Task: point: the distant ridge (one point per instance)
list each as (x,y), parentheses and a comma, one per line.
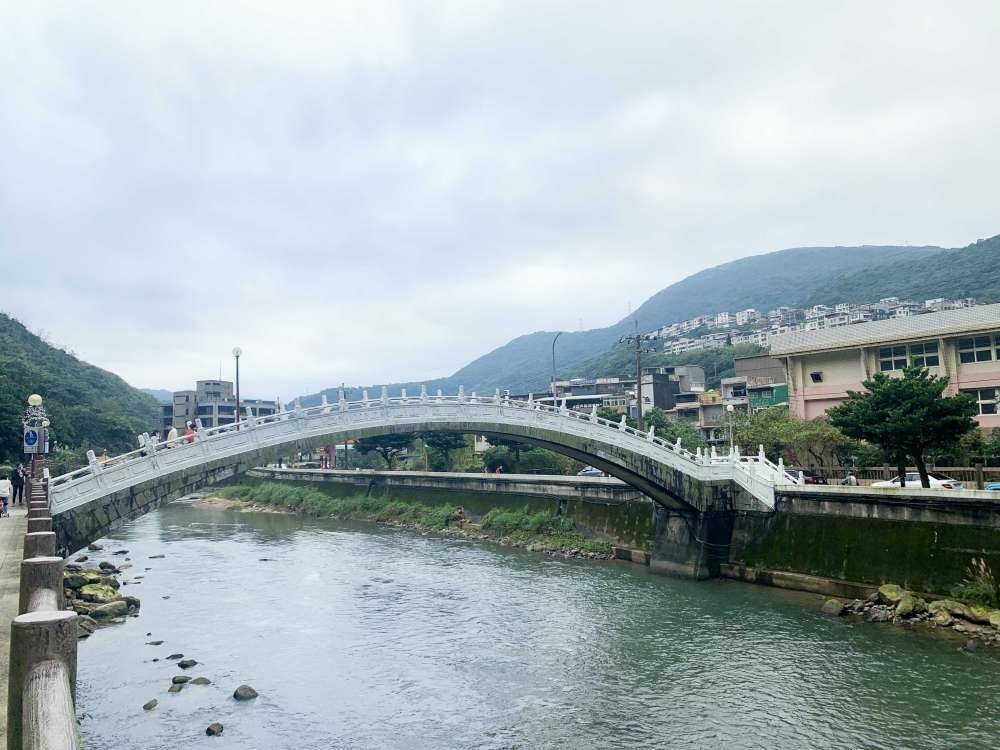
(795,277)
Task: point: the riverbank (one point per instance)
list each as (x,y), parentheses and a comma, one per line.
(540,531)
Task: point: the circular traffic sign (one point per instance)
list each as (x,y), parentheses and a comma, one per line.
(30,437)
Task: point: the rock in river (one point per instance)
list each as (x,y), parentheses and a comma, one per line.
(95,547)
(98,592)
(890,593)
(832,607)
(214,729)
(181,679)
(175,657)
(244,693)
(175,687)
(186,663)
(109,610)
(150,705)
(201,681)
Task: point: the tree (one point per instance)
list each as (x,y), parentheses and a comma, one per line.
(387,446)
(442,444)
(670,430)
(515,446)
(905,416)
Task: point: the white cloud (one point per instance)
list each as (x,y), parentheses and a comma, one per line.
(385,190)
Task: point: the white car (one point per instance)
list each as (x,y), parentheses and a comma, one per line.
(938,481)
(590,471)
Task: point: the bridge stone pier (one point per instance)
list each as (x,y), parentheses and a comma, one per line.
(696,492)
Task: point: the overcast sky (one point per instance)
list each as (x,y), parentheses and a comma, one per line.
(369,191)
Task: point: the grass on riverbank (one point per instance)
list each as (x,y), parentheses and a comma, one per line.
(543,530)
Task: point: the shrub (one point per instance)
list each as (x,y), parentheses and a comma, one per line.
(980,587)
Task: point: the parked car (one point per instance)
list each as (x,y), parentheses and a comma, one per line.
(993,486)
(811,476)
(938,481)
(590,471)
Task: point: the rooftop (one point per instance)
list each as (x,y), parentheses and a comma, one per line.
(929,325)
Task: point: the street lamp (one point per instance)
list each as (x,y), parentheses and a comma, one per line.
(237,352)
(554,340)
(35,416)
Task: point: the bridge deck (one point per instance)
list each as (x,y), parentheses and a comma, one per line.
(11,546)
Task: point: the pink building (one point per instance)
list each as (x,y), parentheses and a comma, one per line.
(963,345)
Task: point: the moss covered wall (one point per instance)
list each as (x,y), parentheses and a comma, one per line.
(919,555)
(629,523)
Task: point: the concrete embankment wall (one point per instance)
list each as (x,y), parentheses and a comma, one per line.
(842,541)
(845,541)
(601,506)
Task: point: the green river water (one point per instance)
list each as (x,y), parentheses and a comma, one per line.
(361,637)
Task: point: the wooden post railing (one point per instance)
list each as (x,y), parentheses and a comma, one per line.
(41,691)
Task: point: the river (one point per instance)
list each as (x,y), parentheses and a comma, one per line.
(361,637)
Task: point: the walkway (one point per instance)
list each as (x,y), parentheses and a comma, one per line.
(11,545)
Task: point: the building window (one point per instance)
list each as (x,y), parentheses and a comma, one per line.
(925,355)
(978,349)
(892,358)
(985,398)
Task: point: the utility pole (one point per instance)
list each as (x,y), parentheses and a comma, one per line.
(639,343)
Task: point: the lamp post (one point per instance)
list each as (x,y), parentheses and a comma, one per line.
(554,340)
(237,352)
(35,417)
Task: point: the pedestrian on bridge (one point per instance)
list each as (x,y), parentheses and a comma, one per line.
(172,437)
(5,490)
(189,433)
(17,485)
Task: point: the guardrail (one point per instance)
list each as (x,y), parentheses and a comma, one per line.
(41,690)
(755,473)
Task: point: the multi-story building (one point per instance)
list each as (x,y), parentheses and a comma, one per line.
(723,320)
(214,403)
(746,316)
(962,345)
(705,411)
(660,386)
(759,382)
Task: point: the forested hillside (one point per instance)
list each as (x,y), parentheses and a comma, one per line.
(794,277)
(88,407)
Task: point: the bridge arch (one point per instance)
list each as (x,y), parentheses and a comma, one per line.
(86,503)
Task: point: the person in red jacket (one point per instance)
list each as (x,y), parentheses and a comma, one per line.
(189,433)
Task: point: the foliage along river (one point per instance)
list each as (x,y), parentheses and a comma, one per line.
(362,637)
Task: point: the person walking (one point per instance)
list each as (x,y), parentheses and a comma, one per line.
(850,480)
(172,437)
(189,433)
(17,485)
(5,489)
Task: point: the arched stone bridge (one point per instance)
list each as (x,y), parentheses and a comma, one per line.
(87,503)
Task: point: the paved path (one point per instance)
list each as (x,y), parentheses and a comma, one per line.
(11,544)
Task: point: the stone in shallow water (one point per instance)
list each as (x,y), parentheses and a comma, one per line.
(180,679)
(214,729)
(95,547)
(175,688)
(186,663)
(154,643)
(150,705)
(110,610)
(244,693)
(175,657)
(201,681)
(832,607)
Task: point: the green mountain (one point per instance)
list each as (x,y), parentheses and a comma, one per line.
(87,406)
(795,277)
(972,271)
